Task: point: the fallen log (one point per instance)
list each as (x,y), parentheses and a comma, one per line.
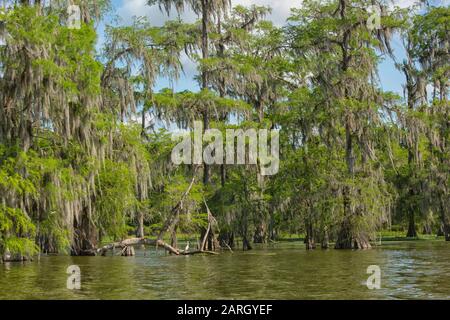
(134,242)
(125,245)
(187,253)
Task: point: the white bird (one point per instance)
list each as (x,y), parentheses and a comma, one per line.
(187,247)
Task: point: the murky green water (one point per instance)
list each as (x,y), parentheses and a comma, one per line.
(410,270)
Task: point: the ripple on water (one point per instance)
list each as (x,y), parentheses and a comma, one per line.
(410,270)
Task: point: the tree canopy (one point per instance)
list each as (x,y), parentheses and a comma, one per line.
(85,138)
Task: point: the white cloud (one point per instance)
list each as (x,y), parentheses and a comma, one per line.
(410,3)
(404,3)
(281,9)
(129,8)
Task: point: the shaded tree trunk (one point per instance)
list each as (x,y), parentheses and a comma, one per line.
(445,221)
(204,76)
(85,237)
(221,54)
(260,235)
(345,239)
(325,240)
(440,232)
(226,239)
(246,244)
(309,240)
(447,232)
(412,233)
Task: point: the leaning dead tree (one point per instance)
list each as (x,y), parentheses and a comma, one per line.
(172,219)
(168,225)
(208,239)
(126,246)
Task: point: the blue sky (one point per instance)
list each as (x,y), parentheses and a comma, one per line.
(390,78)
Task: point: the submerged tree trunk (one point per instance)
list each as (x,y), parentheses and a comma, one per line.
(412,233)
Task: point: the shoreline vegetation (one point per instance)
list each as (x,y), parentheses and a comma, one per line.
(86,138)
(126,247)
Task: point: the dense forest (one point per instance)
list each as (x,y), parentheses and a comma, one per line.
(86,139)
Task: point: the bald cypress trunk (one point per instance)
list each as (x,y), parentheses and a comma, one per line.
(260,233)
(344,240)
(412,232)
(226,239)
(246,244)
(309,240)
(411,93)
(348,238)
(85,237)
(325,240)
(204,76)
(445,221)
(140,227)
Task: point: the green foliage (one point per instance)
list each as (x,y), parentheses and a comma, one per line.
(16,222)
(115,184)
(84,152)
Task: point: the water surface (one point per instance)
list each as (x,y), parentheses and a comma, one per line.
(410,270)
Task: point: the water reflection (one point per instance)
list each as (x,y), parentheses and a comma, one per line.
(410,270)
